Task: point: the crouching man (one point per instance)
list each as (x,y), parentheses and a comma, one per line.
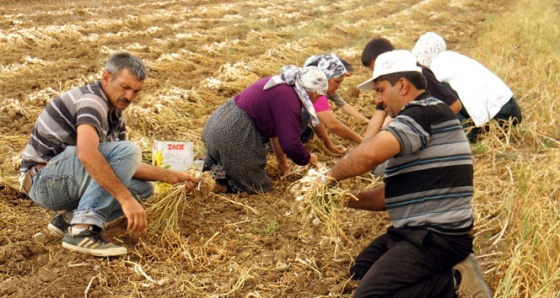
(427,191)
(78,162)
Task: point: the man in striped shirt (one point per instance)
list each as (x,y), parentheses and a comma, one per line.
(427,191)
(78,161)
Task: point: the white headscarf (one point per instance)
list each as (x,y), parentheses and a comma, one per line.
(330,64)
(428,46)
(309,78)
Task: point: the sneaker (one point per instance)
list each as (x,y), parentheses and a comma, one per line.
(472,283)
(58,225)
(90,241)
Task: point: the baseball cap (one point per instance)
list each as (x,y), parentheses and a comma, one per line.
(391,62)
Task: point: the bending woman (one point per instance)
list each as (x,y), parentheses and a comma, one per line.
(269,109)
(484,96)
(335,71)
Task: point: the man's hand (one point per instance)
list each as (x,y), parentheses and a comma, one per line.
(323,181)
(149,172)
(190,181)
(135,215)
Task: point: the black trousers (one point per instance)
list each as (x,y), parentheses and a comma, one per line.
(410,263)
(510,111)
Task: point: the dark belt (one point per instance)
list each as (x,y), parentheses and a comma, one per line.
(28,179)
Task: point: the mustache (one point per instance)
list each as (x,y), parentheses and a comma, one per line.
(125,100)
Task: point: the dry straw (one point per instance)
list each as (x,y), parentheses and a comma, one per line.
(320,206)
(165,208)
(516,201)
(170,201)
(516,171)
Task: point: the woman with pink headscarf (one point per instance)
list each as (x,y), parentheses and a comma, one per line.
(336,71)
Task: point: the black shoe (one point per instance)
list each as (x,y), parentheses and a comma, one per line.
(58,225)
(90,241)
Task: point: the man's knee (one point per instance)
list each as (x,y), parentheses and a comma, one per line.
(131,149)
(122,150)
(141,189)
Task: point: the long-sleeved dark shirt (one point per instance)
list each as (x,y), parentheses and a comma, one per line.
(276,113)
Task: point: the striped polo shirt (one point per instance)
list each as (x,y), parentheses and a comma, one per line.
(56,127)
(429,184)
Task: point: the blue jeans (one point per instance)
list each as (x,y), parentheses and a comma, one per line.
(64,184)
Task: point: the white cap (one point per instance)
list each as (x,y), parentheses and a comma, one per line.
(391,62)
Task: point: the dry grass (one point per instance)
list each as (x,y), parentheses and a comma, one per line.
(249,246)
(167,205)
(319,206)
(517,198)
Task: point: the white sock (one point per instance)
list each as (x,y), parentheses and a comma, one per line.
(75,230)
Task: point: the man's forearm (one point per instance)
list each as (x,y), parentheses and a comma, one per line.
(371,199)
(366,156)
(101,172)
(353,164)
(149,172)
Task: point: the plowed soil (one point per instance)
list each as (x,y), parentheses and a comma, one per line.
(199,53)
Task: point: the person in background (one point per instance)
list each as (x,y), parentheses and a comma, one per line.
(484,95)
(335,71)
(269,110)
(378,46)
(337,99)
(79,162)
(427,191)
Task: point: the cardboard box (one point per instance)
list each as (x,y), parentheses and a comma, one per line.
(175,155)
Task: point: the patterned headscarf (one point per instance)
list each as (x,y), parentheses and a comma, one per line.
(427,47)
(330,64)
(304,79)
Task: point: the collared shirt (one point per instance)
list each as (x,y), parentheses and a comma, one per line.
(482,93)
(56,127)
(429,184)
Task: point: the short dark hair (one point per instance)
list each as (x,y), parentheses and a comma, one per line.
(374,48)
(416,78)
(120,61)
(347,65)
